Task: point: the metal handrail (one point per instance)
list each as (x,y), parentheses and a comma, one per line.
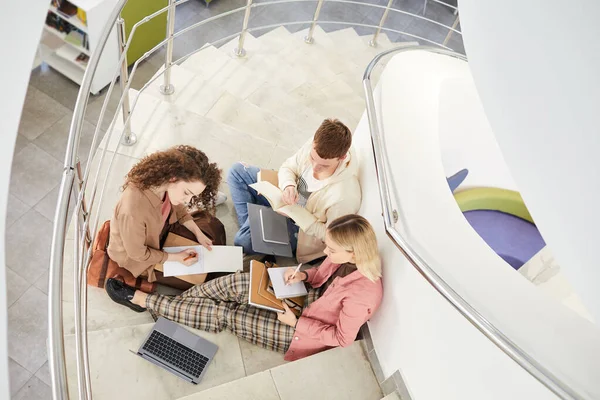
(71,171)
(510,348)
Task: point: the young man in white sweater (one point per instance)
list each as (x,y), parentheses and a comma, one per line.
(322,177)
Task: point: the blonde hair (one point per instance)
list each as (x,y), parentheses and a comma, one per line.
(355,234)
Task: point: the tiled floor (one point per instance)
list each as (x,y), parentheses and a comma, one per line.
(40,149)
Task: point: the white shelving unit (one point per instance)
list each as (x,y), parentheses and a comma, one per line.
(61,55)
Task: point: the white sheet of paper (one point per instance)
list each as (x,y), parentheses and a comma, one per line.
(220,259)
(283,291)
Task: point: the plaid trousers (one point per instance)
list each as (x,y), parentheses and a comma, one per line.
(222,304)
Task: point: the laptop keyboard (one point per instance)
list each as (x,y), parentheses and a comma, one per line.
(176,354)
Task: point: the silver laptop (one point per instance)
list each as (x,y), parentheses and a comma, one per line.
(177,350)
(273,230)
(269,231)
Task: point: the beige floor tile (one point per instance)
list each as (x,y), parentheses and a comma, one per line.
(42,282)
(27,329)
(28,246)
(34,174)
(255,387)
(20,143)
(54,139)
(258,359)
(34,389)
(43,374)
(47,206)
(15,210)
(15,286)
(341,373)
(39,113)
(119,374)
(18,376)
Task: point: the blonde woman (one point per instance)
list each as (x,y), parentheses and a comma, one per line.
(345,291)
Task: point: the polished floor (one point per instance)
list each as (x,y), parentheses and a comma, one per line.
(39,152)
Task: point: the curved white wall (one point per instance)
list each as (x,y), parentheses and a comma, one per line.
(536,66)
(440,354)
(19,37)
(467,140)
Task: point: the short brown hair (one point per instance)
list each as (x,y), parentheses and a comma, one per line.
(333,139)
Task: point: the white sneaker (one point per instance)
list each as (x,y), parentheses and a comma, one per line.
(221,198)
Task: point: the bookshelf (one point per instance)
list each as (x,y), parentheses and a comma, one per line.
(67,40)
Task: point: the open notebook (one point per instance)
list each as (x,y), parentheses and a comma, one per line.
(283,291)
(219,259)
(260,296)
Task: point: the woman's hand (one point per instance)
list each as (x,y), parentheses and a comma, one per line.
(300,276)
(187,257)
(290,195)
(288,317)
(204,241)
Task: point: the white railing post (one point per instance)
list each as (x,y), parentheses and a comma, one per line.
(239,50)
(373,42)
(309,38)
(167,88)
(129,138)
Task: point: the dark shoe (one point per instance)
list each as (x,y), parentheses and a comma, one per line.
(121,293)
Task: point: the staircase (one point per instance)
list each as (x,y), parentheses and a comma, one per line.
(258,109)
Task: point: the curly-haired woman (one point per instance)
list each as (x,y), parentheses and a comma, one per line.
(156,195)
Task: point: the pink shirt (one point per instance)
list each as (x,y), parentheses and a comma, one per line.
(165,209)
(336,317)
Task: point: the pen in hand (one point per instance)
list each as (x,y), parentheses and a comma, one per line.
(294,274)
(190,256)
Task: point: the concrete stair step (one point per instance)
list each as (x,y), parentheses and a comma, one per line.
(245,116)
(337,374)
(282,105)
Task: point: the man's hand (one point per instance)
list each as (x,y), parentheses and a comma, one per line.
(288,317)
(290,195)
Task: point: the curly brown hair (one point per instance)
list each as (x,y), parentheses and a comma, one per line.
(182,163)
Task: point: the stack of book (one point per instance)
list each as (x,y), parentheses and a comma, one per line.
(265,294)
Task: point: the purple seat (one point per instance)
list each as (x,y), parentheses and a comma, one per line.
(512,238)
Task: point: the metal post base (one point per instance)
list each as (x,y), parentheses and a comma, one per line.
(309,39)
(372,43)
(129,139)
(239,52)
(167,89)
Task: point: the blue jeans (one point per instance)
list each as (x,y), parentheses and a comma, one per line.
(238,179)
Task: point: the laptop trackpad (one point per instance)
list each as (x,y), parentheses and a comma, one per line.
(186,338)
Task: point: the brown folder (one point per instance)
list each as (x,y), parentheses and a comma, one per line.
(268,175)
(174,240)
(257,270)
(262,298)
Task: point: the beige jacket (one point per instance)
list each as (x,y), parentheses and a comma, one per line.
(135,229)
(340,196)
